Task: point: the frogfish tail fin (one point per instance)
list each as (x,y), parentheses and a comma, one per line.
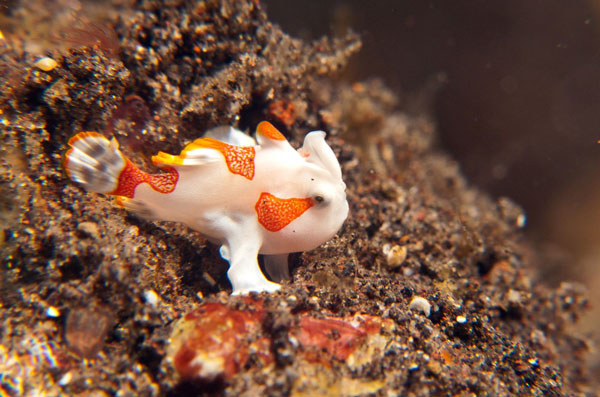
(95,162)
(98,164)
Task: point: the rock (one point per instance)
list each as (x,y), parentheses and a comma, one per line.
(420,304)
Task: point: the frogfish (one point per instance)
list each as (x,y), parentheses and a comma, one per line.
(249,196)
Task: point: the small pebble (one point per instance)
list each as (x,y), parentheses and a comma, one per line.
(65,379)
(292,298)
(461,319)
(89,229)
(521,221)
(533,361)
(46,64)
(435,367)
(420,304)
(151,297)
(395,255)
(52,312)
(86,329)
(514,296)
(209,279)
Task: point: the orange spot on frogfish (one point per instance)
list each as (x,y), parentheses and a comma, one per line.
(275,213)
(239,159)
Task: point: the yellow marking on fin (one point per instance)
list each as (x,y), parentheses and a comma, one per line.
(121,201)
(162,158)
(268,130)
(204,143)
(239,159)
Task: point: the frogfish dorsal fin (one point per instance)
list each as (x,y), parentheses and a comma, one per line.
(239,159)
(269,136)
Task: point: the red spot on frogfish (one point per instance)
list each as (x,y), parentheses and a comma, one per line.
(132,176)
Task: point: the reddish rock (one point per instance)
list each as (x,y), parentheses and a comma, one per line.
(325,339)
(215,341)
(86,330)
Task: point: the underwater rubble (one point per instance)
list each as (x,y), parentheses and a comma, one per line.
(429,288)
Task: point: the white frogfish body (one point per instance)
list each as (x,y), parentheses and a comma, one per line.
(265,198)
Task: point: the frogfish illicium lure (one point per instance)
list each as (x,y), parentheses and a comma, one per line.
(265,198)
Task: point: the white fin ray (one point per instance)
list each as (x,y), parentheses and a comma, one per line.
(230,135)
(202,156)
(94,162)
